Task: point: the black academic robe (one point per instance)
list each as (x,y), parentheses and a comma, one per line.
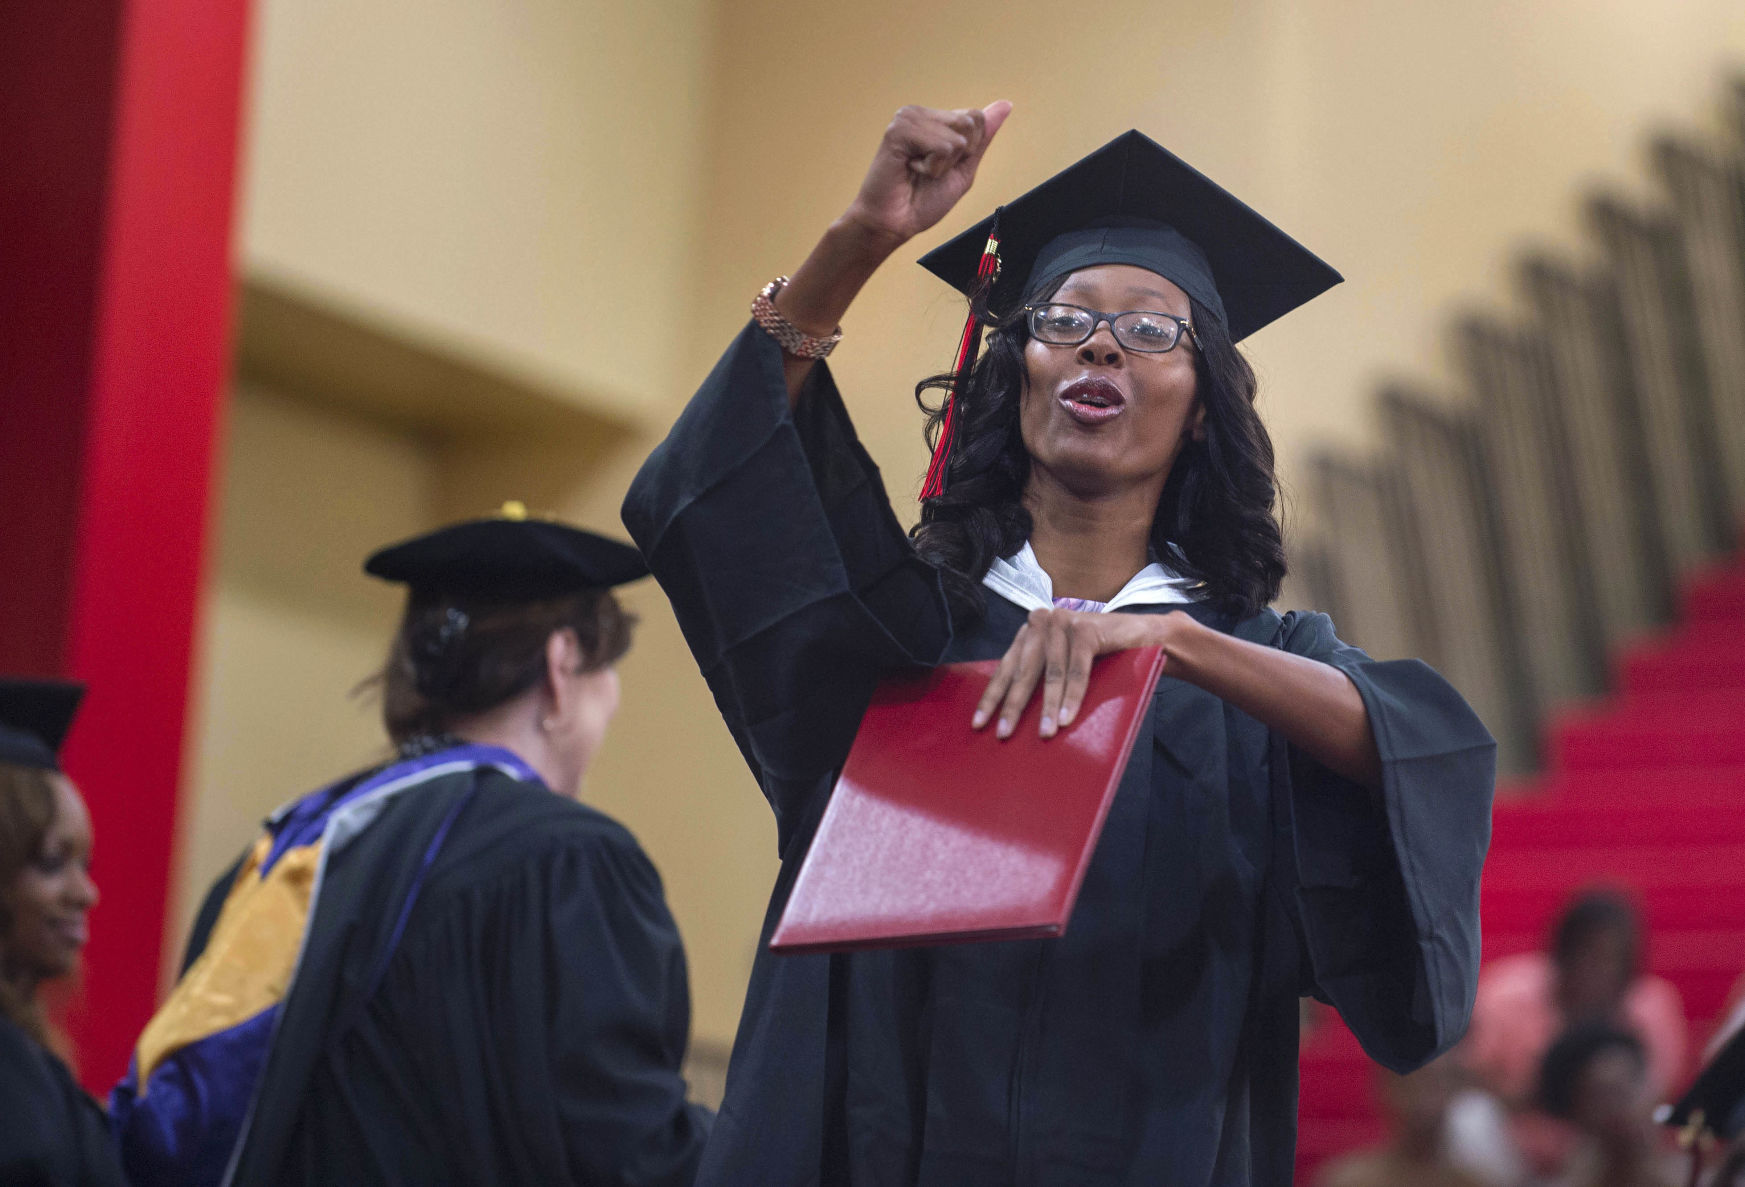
(1156,1041)
(51,1133)
(523,1023)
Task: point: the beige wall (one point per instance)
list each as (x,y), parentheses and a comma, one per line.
(589,193)
(514,177)
(289,625)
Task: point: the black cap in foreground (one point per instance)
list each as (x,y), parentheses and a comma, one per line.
(35,716)
(1134,202)
(510,557)
(1716,1102)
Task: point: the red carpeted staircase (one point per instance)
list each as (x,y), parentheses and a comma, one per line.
(1645,791)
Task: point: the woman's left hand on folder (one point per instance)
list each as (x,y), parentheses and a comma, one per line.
(1314,705)
(1056,647)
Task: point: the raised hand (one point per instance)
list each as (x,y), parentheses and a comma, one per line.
(925,163)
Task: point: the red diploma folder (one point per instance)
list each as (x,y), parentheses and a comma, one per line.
(937,833)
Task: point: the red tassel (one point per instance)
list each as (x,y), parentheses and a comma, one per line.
(968,347)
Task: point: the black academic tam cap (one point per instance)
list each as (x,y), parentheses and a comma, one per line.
(35,716)
(1135,202)
(1716,1102)
(510,557)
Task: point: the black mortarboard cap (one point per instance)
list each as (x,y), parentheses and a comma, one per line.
(1135,202)
(510,557)
(35,716)
(1716,1101)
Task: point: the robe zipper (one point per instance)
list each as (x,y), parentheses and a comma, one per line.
(1028,1024)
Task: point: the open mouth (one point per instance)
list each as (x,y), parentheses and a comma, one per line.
(1092,401)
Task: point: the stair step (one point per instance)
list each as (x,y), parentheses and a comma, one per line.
(1572,826)
(1719,866)
(1704,728)
(1707,655)
(1665,707)
(1519,909)
(1717,787)
(1335,1090)
(1671,953)
(1715,594)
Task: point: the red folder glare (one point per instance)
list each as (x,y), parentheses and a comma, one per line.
(937,833)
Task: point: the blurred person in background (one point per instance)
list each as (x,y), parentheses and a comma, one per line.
(1595,1076)
(1593,973)
(51,1133)
(445,969)
(1418,1108)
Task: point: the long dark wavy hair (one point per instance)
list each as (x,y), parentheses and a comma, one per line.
(1215,520)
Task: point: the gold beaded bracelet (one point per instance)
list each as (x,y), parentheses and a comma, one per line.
(791,338)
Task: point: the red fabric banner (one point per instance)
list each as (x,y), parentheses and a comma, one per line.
(116,201)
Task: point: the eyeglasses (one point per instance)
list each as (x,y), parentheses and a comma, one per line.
(1140,330)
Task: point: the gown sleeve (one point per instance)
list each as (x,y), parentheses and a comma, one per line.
(51,1133)
(621,1037)
(1387,886)
(795,586)
(561,984)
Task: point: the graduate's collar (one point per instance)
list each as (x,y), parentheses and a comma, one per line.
(1021,580)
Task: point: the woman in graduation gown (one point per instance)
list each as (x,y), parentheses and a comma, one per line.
(1296,818)
(51,1133)
(445,969)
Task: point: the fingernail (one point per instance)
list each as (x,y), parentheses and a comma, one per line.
(1005,730)
(1066,716)
(980,719)
(1048,727)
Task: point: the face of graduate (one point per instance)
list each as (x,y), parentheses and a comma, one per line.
(49,900)
(1097,418)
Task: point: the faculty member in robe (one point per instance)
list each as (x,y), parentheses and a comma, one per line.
(446,969)
(1296,818)
(51,1133)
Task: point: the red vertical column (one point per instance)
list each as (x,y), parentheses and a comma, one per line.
(118,143)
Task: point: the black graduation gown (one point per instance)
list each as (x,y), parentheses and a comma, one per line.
(51,1133)
(527,1026)
(1156,1042)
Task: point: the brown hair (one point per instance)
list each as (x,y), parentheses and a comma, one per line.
(456,656)
(27,810)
